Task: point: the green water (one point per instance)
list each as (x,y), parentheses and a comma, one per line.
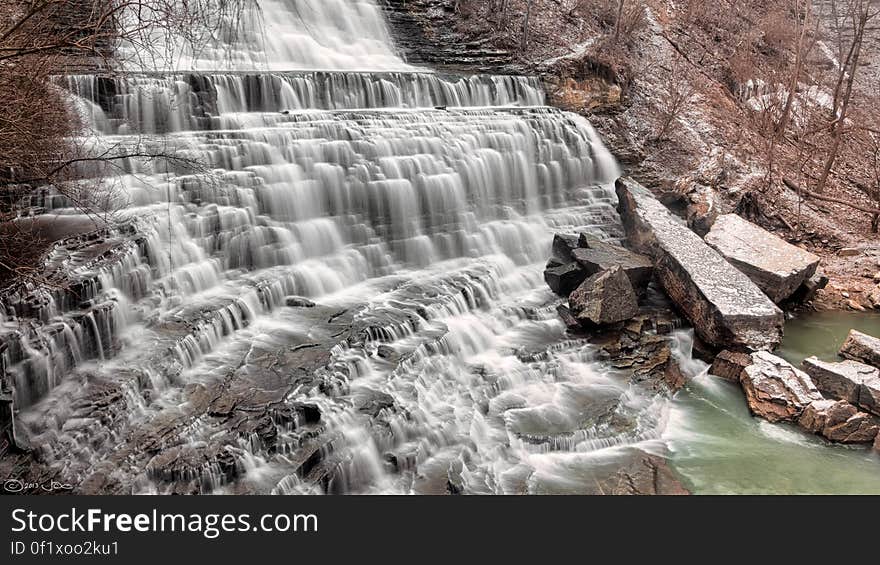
(718,447)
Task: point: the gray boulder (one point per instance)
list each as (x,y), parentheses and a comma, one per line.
(604,298)
(776,266)
(848,380)
(595,255)
(861,347)
(563,279)
(839,421)
(725,307)
(775,390)
(563,245)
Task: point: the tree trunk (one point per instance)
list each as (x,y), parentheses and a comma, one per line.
(859,34)
(525,32)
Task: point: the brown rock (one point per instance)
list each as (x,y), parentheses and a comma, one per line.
(775,390)
(567,317)
(861,347)
(604,298)
(730,364)
(839,421)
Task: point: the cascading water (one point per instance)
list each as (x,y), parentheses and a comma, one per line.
(330,283)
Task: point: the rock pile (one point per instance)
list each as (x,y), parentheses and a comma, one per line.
(602,280)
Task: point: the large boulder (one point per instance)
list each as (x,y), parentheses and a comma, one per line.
(725,307)
(563,279)
(775,390)
(595,255)
(861,347)
(563,245)
(604,298)
(730,364)
(776,266)
(839,421)
(848,380)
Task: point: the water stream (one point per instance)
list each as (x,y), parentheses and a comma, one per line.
(331,282)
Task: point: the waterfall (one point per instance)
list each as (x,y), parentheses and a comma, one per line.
(330,280)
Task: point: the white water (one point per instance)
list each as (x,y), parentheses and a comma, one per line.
(429,226)
(273,35)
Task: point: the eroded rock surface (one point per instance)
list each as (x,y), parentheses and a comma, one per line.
(604,298)
(848,380)
(726,308)
(730,364)
(776,266)
(595,255)
(775,390)
(861,347)
(839,421)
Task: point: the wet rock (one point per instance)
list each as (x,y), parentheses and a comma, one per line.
(861,347)
(646,356)
(775,390)
(595,256)
(839,421)
(776,266)
(848,380)
(298,302)
(372,402)
(730,364)
(726,308)
(604,298)
(565,278)
(563,245)
(567,317)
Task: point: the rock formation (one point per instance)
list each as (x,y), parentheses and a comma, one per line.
(848,380)
(725,307)
(604,298)
(861,347)
(775,390)
(776,266)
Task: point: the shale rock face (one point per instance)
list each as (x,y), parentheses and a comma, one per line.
(848,380)
(730,364)
(839,421)
(861,347)
(776,266)
(604,298)
(726,308)
(775,390)
(595,255)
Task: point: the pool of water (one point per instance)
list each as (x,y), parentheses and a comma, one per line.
(822,333)
(717,447)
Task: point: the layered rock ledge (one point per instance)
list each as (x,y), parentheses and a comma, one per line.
(725,307)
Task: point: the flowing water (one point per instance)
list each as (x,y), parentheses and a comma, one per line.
(719,448)
(331,282)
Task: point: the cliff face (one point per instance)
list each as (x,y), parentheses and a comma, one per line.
(427,33)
